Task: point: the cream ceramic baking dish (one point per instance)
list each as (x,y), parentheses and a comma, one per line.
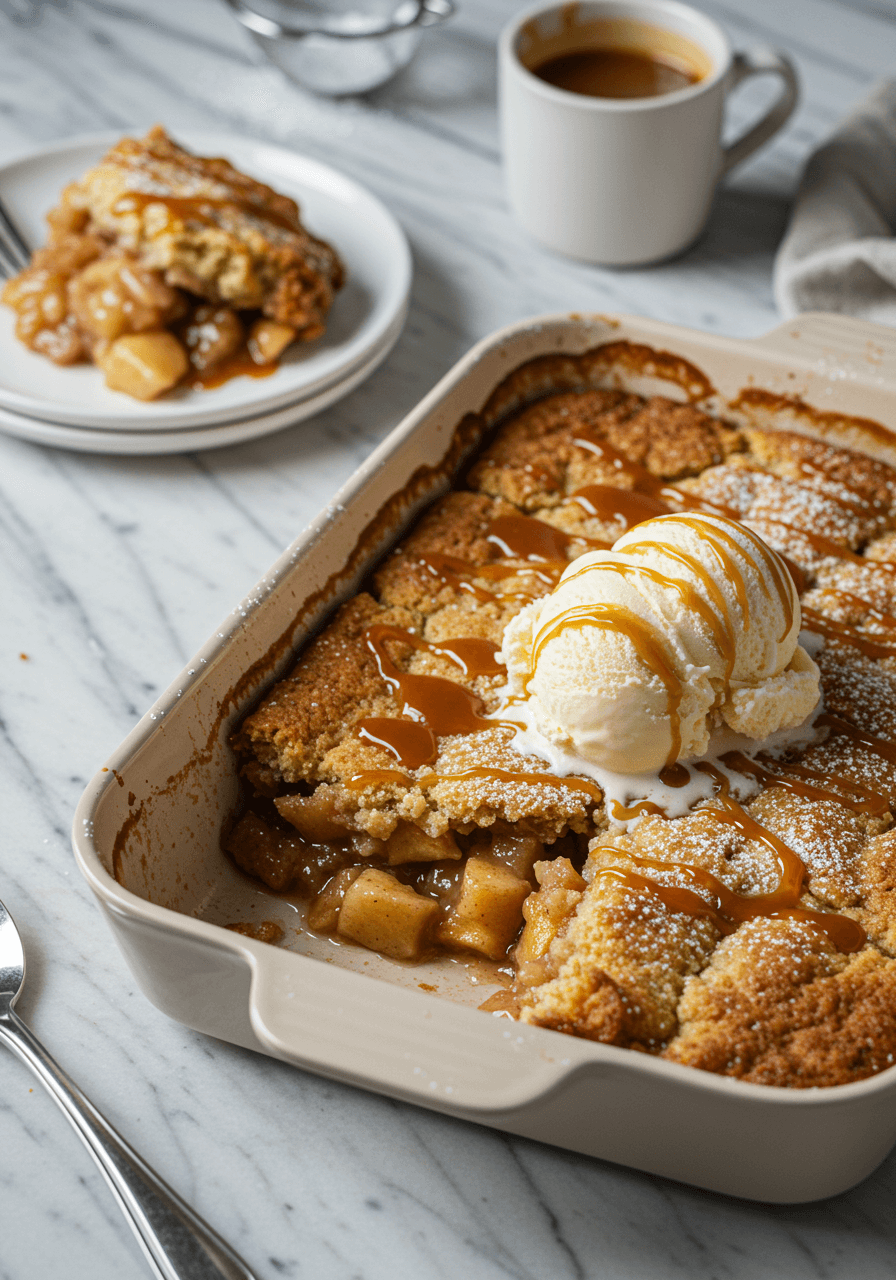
(147,830)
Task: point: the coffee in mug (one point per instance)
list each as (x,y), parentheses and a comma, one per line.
(626,59)
(611,123)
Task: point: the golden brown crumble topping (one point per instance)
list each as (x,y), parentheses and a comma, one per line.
(414,826)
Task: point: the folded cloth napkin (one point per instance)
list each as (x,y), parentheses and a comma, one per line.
(839,253)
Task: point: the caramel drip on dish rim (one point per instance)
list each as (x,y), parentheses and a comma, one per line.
(643,636)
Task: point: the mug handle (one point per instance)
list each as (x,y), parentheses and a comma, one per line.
(759,62)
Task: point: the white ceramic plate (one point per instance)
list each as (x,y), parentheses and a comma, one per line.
(84,440)
(370,241)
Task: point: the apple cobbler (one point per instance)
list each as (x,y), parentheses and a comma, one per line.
(394,781)
(163,267)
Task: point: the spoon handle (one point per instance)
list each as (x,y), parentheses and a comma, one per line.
(176,1241)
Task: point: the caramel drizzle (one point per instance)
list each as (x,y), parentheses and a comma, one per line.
(457,573)
(525,538)
(710,585)
(374,777)
(675,775)
(726,908)
(652,488)
(642,635)
(454,572)
(884,619)
(878,746)
(589,789)
(474,655)
(196,208)
(866,643)
(817,785)
(413,744)
(644,808)
(727,562)
(606,502)
(440,707)
(515,537)
(720,627)
(825,547)
(645,482)
(360,781)
(777,571)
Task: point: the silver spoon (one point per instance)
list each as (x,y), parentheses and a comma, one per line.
(177,1243)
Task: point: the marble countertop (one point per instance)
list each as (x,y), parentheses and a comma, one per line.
(115,570)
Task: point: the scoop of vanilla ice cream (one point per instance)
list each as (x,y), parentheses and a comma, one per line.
(641,651)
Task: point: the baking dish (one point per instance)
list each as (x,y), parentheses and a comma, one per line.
(147,830)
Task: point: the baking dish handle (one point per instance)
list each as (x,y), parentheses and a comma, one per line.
(412,1046)
(860,348)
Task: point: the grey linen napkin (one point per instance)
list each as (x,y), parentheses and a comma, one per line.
(839,253)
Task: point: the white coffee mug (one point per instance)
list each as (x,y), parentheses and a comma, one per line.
(623,181)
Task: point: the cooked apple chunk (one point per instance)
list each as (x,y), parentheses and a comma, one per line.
(386,916)
(316,817)
(325,910)
(408,843)
(144,364)
(546,912)
(268,339)
(489,910)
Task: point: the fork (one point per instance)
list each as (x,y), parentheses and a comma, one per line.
(14,252)
(176,1241)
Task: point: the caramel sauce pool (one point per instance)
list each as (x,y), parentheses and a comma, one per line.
(239,365)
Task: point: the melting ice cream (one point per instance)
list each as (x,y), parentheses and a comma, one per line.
(690,623)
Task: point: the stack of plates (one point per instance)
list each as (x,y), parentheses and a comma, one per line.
(72,408)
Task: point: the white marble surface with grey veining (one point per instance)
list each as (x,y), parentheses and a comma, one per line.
(115,570)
